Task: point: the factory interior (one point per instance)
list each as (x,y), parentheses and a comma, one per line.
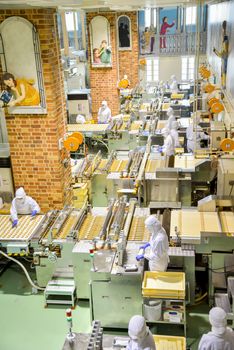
(116,175)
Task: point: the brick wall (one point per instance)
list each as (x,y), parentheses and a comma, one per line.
(103,81)
(37,162)
(128,60)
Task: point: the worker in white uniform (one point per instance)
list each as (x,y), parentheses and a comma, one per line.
(157,254)
(80,119)
(22,204)
(140,336)
(221,337)
(171,118)
(195,134)
(104,113)
(174,85)
(174,134)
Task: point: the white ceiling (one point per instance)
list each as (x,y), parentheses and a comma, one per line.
(116,5)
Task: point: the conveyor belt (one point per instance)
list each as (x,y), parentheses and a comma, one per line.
(24,230)
(87,127)
(138,232)
(102,164)
(91,227)
(153,164)
(69,224)
(201,222)
(186,162)
(135,125)
(227,221)
(118,165)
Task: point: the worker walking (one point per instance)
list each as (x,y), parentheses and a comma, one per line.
(22,204)
(157,254)
(171,118)
(221,337)
(140,336)
(104,113)
(195,135)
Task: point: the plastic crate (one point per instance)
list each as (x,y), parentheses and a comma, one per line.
(166,342)
(164,285)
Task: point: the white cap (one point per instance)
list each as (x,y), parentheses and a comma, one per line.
(173,77)
(174,125)
(170,111)
(153,221)
(20,193)
(165,132)
(218,320)
(80,119)
(137,327)
(104,103)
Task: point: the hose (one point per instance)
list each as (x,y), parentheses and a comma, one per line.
(25,271)
(201,298)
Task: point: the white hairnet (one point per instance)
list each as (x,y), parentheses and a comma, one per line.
(137,327)
(174,125)
(104,103)
(218,320)
(170,111)
(20,193)
(173,77)
(153,221)
(80,119)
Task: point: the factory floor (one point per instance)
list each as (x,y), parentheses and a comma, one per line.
(26,325)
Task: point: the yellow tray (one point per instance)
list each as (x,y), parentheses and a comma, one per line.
(166,342)
(164,284)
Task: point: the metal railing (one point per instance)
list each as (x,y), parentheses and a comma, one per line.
(179,44)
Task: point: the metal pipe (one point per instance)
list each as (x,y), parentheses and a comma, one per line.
(106,222)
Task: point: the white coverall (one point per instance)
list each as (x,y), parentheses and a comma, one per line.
(174,85)
(194,138)
(221,337)
(140,336)
(23,205)
(158,250)
(175,135)
(104,114)
(168,146)
(171,118)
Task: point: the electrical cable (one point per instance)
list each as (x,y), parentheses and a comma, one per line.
(24,269)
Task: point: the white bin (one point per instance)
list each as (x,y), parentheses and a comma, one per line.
(152,310)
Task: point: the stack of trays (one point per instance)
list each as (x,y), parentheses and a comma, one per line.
(164,285)
(166,342)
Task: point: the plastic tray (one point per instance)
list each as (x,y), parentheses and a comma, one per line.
(164,284)
(166,342)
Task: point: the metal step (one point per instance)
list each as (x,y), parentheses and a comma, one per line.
(63,272)
(60,291)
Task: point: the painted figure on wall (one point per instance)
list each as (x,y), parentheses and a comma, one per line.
(124,31)
(223,54)
(22,90)
(105,52)
(96,56)
(164,28)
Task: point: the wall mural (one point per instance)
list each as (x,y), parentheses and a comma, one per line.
(124,33)
(22,86)
(165,20)
(222,42)
(100,42)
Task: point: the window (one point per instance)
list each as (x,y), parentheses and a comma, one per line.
(190,15)
(187,67)
(152,70)
(69,17)
(147,17)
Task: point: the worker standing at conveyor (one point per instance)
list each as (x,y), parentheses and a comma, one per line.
(174,85)
(22,204)
(171,118)
(221,337)
(157,254)
(195,135)
(174,134)
(141,337)
(104,113)
(168,147)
